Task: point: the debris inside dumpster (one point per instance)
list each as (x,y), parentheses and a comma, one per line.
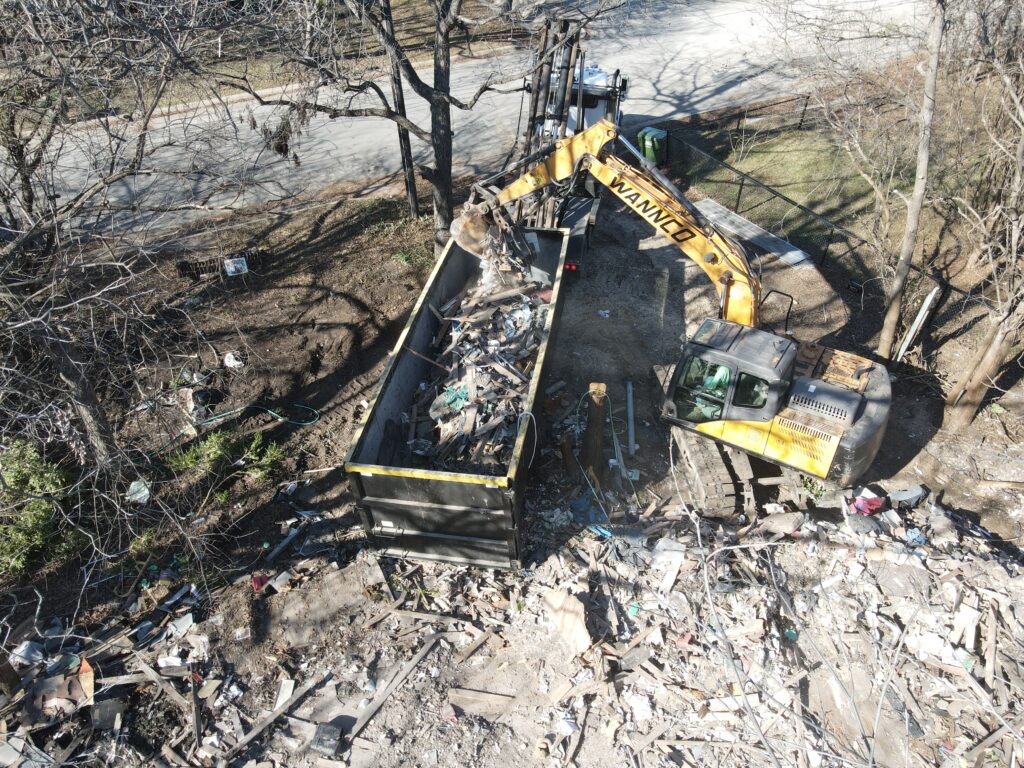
(467,417)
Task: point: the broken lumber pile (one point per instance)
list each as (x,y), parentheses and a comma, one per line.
(467,418)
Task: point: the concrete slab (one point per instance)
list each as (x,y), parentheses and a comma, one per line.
(749,232)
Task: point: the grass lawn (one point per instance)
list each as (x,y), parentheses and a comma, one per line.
(806,167)
(803,165)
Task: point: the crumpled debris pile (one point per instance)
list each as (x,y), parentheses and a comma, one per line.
(65,670)
(802,638)
(156,675)
(808,642)
(468,417)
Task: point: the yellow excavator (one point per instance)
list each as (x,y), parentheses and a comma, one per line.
(746,390)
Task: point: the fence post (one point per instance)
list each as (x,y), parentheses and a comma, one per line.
(803,113)
(739,193)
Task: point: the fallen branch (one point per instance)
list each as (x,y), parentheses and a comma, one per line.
(394,683)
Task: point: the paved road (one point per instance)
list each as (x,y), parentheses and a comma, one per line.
(682,56)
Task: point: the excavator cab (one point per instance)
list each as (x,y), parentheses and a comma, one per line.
(817,410)
(730,372)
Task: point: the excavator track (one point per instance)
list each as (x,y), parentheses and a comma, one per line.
(720,481)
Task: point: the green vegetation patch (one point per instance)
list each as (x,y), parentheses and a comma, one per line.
(419,257)
(31,532)
(255,457)
(804,165)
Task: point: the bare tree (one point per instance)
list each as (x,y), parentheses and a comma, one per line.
(894,298)
(993,208)
(356,47)
(398,94)
(876,95)
(80,89)
(55,73)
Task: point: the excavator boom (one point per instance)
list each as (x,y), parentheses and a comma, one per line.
(722,261)
(655,199)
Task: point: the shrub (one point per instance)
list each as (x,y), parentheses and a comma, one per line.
(259,459)
(142,545)
(30,528)
(208,453)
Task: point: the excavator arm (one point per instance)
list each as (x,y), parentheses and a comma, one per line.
(813,409)
(723,262)
(649,194)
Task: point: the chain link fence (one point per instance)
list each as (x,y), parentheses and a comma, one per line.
(847,260)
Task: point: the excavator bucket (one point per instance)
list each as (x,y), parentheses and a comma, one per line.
(472,230)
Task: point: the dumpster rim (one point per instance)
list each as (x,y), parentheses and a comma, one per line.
(538,369)
(501,481)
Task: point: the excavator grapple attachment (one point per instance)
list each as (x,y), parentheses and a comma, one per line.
(473,231)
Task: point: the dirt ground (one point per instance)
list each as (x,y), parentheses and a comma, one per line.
(626,267)
(312,323)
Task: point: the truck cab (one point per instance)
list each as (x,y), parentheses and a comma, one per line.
(602,98)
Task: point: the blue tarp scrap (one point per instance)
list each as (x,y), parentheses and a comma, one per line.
(456,398)
(585,510)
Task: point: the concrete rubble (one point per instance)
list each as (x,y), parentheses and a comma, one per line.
(467,417)
(668,640)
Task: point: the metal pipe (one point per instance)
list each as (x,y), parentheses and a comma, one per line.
(531,124)
(565,89)
(612,107)
(554,112)
(580,122)
(545,79)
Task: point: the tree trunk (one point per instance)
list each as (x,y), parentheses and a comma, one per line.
(964,402)
(979,355)
(894,303)
(403,135)
(98,434)
(441,134)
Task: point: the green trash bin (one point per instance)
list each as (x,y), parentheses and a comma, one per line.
(653,143)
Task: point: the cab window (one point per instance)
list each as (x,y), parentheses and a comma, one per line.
(751,392)
(702,390)
(590,100)
(708,328)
